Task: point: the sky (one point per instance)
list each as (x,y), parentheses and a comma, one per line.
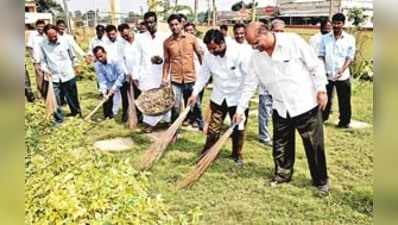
(136,5)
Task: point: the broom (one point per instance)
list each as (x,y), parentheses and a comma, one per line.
(156,150)
(97,107)
(132,112)
(51,101)
(206,160)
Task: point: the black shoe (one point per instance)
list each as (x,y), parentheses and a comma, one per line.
(277,180)
(344,126)
(124,118)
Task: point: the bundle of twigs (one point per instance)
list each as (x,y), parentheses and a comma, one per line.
(132,112)
(204,163)
(51,101)
(156,150)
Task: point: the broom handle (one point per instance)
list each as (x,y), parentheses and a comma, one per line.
(97,107)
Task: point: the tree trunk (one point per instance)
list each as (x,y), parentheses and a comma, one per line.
(214,13)
(195,11)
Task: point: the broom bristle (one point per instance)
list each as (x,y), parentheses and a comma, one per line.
(51,101)
(156,150)
(205,161)
(132,112)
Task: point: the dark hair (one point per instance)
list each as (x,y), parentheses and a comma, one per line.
(110,28)
(215,36)
(338,17)
(122,27)
(224,27)
(189,24)
(174,17)
(324,22)
(150,14)
(40,22)
(49,27)
(99,27)
(97,48)
(239,25)
(61,22)
(183,16)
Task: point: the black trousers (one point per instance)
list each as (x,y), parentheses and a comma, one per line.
(137,93)
(310,127)
(69,88)
(185,90)
(343,89)
(108,105)
(218,114)
(28,88)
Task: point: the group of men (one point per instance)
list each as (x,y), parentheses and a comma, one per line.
(295,79)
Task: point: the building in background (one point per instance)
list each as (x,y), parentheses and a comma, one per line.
(31,14)
(244,15)
(301,12)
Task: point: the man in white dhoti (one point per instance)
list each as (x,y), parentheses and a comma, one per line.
(150,61)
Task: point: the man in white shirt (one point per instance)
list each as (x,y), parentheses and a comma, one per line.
(228,66)
(150,64)
(278,25)
(33,45)
(287,66)
(129,48)
(191,29)
(265,99)
(98,40)
(315,40)
(61,25)
(57,62)
(337,49)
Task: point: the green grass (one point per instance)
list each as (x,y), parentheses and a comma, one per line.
(228,195)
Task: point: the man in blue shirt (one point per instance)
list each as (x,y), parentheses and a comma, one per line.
(111,78)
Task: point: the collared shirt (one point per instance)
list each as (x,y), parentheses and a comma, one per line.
(247,49)
(149,74)
(34,41)
(94,42)
(75,47)
(180,52)
(293,75)
(130,57)
(114,50)
(315,42)
(228,73)
(109,75)
(57,60)
(336,52)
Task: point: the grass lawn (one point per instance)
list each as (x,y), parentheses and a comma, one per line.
(228,195)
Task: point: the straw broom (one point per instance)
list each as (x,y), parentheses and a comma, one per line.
(132,112)
(156,150)
(206,160)
(51,101)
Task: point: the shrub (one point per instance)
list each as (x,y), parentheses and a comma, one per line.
(67,182)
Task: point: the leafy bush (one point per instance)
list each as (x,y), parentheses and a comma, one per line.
(67,182)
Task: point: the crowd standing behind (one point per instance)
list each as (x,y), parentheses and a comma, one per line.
(295,79)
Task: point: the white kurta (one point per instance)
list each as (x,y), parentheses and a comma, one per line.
(150,75)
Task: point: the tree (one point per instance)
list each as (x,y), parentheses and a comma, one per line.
(238,6)
(357,16)
(78,13)
(49,6)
